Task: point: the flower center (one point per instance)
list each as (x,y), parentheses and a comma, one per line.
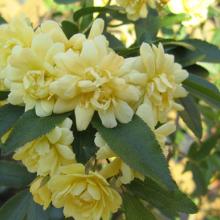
(36,84)
(97,86)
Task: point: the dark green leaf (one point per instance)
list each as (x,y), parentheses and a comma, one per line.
(66,1)
(36,212)
(134,209)
(203,89)
(198,70)
(210,51)
(86,20)
(205,148)
(90,10)
(168,202)
(191,115)
(55,214)
(2,20)
(69,28)
(128,52)
(135,143)
(186,57)
(174,43)
(114,43)
(16,207)
(22,207)
(203,52)
(147,29)
(198,177)
(30,127)
(83,145)
(212,165)
(3,95)
(13,174)
(9,114)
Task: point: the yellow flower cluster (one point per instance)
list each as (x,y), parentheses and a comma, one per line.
(45,71)
(47,153)
(136,9)
(64,182)
(196,9)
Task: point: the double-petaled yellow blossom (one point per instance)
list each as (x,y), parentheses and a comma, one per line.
(83,196)
(31,70)
(136,9)
(196,9)
(162,86)
(47,153)
(94,82)
(16,33)
(40,191)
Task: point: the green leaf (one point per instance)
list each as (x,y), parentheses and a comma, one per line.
(171,19)
(203,52)
(14,175)
(204,149)
(203,89)
(135,143)
(198,177)
(55,213)
(128,52)
(66,1)
(3,95)
(16,207)
(177,43)
(89,10)
(85,21)
(210,51)
(36,212)
(69,28)
(114,43)
(9,114)
(191,115)
(186,57)
(198,70)
(134,209)
(147,29)
(30,127)
(114,11)
(168,202)
(2,20)
(83,145)
(22,207)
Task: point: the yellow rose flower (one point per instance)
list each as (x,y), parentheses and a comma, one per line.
(31,70)
(162,86)
(196,9)
(83,196)
(40,191)
(16,33)
(116,167)
(94,82)
(136,9)
(47,153)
